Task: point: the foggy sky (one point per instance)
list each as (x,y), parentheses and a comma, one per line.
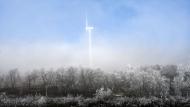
(51,33)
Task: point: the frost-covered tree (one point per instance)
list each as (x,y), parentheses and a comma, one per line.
(156,80)
(187,78)
(170,72)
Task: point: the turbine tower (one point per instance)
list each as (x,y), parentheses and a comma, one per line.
(89,31)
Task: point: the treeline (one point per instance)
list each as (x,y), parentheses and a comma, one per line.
(157,80)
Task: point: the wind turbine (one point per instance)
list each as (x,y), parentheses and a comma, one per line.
(89,31)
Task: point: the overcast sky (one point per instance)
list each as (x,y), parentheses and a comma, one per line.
(51,33)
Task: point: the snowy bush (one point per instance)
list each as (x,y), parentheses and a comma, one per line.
(40,101)
(103,94)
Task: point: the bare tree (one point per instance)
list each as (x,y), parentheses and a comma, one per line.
(14,78)
(2,79)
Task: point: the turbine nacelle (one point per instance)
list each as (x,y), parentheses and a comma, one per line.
(89,28)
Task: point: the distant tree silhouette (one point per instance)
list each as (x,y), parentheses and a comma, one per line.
(146,81)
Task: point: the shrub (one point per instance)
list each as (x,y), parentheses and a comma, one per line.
(103,94)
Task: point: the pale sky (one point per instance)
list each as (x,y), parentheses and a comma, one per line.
(51,33)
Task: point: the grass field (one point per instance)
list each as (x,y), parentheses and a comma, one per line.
(41,101)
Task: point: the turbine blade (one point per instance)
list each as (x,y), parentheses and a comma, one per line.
(86,22)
